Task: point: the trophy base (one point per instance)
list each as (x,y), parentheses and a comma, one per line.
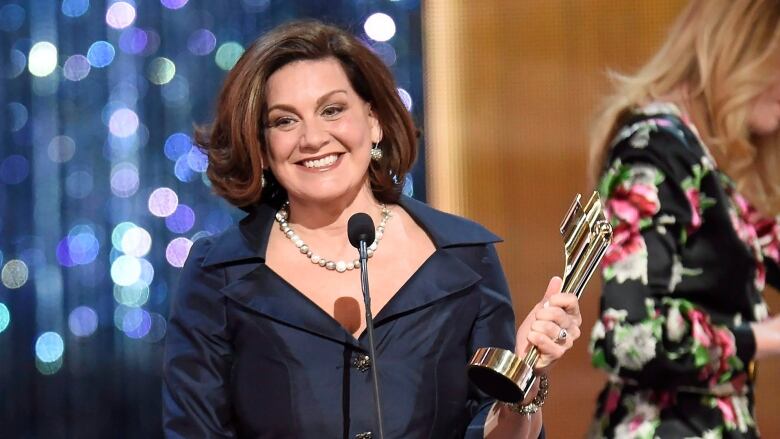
(501,374)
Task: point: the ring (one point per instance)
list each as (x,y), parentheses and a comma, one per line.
(562,336)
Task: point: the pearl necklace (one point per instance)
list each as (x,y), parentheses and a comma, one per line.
(338,266)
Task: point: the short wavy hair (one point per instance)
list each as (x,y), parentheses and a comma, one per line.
(235,141)
(726,53)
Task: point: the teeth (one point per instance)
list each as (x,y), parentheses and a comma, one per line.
(320,163)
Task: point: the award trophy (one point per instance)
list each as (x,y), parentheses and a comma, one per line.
(586,235)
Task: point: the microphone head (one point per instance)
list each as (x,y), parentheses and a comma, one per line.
(360,228)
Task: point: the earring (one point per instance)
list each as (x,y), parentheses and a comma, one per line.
(262,181)
(376,153)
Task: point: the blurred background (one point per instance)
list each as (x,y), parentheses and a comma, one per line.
(102,192)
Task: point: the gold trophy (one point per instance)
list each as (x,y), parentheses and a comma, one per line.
(586,235)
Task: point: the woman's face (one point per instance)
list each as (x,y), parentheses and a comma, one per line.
(764,116)
(319,131)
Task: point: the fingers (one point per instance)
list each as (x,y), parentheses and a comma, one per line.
(553,287)
(565,302)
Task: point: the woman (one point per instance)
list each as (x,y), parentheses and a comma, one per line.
(266,336)
(688,155)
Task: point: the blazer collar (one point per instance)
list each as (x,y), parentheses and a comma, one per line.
(249,240)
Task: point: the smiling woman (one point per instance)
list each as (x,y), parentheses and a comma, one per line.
(266,337)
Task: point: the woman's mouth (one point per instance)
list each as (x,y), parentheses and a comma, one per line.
(323,163)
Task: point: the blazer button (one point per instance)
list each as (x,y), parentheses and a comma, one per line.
(361,362)
(364,435)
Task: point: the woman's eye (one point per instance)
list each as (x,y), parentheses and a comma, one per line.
(282,122)
(332,110)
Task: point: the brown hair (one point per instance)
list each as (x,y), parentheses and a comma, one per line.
(723,53)
(235,142)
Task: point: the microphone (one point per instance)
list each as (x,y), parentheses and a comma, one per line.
(360,230)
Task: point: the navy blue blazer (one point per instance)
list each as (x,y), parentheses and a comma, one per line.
(247,355)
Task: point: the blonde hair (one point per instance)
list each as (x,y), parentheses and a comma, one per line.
(722,54)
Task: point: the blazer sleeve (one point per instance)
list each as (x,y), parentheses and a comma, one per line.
(646,333)
(198,354)
(494,326)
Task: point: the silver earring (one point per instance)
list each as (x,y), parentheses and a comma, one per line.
(376,153)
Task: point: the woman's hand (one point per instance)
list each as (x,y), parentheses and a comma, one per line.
(552,326)
(767,335)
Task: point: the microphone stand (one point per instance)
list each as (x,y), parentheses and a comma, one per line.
(363,250)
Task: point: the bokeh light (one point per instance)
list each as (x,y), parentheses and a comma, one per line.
(100,54)
(11,17)
(177,251)
(197,160)
(17,61)
(14,169)
(124,180)
(177,145)
(160,71)
(79,184)
(49,347)
(201,42)
(61,149)
(5,317)
(228,54)
(379,27)
(74,8)
(42,59)
(76,67)
(183,171)
(181,220)
(18,115)
(133,296)
(125,270)
(406,98)
(15,274)
(136,242)
(163,202)
(83,321)
(157,330)
(119,233)
(136,323)
(120,15)
(123,122)
(133,40)
(173,4)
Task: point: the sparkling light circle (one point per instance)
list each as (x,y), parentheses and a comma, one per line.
(379,27)
(83,248)
(42,59)
(14,274)
(76,68)
(119,232)
(176,145)
(19,115)
(61,149)
(158,329)
(174,4)
(177,251)
(133,40)
(136,242)
(228,54)
(163,202)
(124,180)
(132,296)
(201,42)
(14,169)
(16,63)
(125,270)
(161,70)
(83,321)
(123,122)
(5,317)
(147,271)
(182,220)
(49,347)
(406,98)
(79,184)
(11,17)
(101,54)
(197,160)
(182,170)
(120,15)
(74,8)
(136,323)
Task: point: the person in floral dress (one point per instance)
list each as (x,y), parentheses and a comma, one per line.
(681,153)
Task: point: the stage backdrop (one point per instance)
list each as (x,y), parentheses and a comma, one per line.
(511,87)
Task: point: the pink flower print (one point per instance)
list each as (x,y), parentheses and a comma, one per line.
(702,331)
(768,232)
(727,409)
(634,203)
(613,398)
(694,199)
(626,241)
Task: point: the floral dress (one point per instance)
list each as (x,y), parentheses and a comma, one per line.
(683,279)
